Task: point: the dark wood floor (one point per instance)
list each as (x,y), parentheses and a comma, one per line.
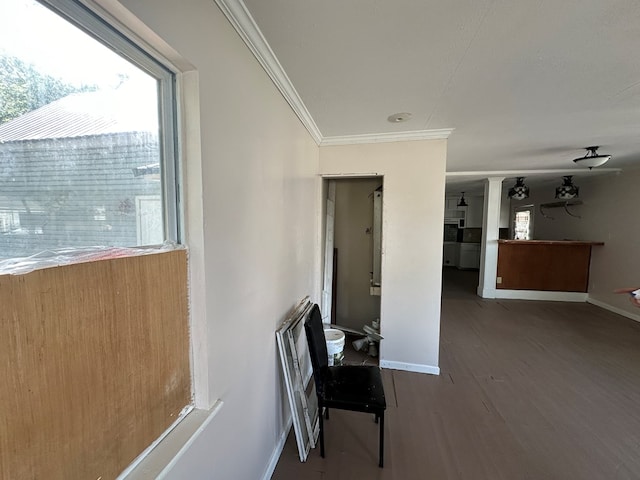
(528,390)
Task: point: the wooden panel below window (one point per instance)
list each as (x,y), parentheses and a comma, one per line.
(547,266)
(94,362)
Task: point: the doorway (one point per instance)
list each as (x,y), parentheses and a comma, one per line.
(353,254)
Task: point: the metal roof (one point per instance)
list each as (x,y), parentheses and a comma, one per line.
(82,114)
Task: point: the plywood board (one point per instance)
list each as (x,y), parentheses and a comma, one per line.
(94,361)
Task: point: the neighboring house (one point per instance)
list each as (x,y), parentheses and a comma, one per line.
(104,190)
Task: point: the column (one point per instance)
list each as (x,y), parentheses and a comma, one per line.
(490,232)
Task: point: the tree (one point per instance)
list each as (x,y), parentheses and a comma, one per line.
(23,88)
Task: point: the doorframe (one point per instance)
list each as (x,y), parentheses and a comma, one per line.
(326,281)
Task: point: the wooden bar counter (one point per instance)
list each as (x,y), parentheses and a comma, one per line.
(548,265)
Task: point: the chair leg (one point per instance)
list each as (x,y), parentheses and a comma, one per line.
(326,412)
(381,440)
(321,433)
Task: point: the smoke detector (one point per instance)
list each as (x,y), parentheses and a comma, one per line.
(399,117)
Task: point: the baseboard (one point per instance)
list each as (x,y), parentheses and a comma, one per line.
(277,451)
(613,309)
(486,292)
(541,295)
(410,367)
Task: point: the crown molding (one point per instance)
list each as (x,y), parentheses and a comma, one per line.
(242,21)
(532,173)
(238,15)
(439,134)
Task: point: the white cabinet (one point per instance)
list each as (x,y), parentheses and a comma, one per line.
(473,218)
(451,203)
(450,254)
(469,255)
(451,209)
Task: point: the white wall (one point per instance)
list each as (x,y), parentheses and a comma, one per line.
(413,202)
(609,214)
(260,202)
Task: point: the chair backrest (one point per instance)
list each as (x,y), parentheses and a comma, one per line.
(317,345)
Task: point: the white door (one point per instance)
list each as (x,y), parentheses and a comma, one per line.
(149,220)
(327,297)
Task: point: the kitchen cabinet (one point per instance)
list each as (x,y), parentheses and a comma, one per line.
(474,213)
(546,265)
(451,203)
(450,254)
(452,212)
(473,217)
(469,256)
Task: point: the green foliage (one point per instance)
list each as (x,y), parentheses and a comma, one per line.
(23,88)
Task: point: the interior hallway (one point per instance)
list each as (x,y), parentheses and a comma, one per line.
(528,390)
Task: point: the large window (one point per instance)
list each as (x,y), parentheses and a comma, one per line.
(94,356)
(87,135)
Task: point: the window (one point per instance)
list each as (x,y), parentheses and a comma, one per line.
(87,157)
(523,223)
(87,135)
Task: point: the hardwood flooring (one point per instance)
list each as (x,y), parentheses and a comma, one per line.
(528,390)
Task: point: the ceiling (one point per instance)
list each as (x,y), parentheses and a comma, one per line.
(524,85)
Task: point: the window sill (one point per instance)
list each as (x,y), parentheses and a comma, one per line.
(160,457)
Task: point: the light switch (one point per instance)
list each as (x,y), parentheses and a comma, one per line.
(499,280)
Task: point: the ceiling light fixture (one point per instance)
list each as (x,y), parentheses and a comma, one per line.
(462,202)
(592,159)
(519,191)
(399,117)
(567,190)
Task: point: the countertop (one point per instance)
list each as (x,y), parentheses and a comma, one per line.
(549,242)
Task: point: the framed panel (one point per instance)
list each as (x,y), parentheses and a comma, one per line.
(296,370)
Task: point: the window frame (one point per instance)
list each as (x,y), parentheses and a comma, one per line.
(524,208)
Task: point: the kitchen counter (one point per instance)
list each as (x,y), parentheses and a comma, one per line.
(547,265)
(549,242)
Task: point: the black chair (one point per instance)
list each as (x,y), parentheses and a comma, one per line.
(346,387)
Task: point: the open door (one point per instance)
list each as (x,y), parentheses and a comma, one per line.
(327,283)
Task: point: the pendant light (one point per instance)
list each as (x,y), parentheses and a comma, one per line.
(519,191)
(567,190)
(592,159)
(462,202)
